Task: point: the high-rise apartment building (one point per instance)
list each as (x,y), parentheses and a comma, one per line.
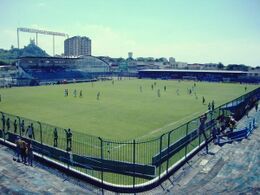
(77,46)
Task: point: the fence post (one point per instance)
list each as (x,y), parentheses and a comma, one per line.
(134,163)
(101,157)
(187,130)
(3,126)
(160,166)
(40,131)
(19,122)
(168,151)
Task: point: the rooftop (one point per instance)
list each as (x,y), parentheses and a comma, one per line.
(198,71)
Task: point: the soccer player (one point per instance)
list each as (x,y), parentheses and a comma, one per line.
(164,87)
(177,91)
(98,95)
(75,93)
(158,93)
(141,89)
(152,86)
(80,93)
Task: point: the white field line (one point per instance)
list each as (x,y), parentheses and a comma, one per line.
(170,124)
(159,129)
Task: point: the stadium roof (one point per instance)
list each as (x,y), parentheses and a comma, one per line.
(198,71)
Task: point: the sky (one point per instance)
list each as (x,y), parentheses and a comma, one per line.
(193,31)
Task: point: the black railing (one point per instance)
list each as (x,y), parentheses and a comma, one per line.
(126,164)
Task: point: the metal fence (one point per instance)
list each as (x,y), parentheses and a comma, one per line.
(124,163)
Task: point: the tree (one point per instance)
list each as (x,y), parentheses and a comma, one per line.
(220,66)
(240,67)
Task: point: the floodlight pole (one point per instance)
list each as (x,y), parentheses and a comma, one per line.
(53,40)
(18,44)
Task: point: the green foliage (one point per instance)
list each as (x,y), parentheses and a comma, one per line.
(240,67)
(29,50)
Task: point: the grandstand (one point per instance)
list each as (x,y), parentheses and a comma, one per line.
(13,76)
(201,75)
(53,69)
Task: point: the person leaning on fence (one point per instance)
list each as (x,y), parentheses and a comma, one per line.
(30,131)
(55,137)
(15,126)
(8,124)
(3,122)
(203,119)
(22,126)
(69,138)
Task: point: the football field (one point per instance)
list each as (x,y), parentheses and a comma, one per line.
(125,109)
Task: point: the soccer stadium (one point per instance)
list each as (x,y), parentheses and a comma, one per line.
(121,133)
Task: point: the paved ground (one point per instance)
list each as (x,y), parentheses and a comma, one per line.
(17,178)
(231,169)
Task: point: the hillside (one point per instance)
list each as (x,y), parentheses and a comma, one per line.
(9,56)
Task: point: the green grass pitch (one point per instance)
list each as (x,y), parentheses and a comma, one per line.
(126,110)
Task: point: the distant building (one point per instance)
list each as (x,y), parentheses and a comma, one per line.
(195,66)
(181,65)
(77,46)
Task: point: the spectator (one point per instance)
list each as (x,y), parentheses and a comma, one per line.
(69,138)
(203,100)
(213,105)
(3,122)
(8,124)
(30,131)
(232,124)
(209,106)
(29,153)
(203,119)
(23,150)
(18,143)
(256,106)
(55,137)
(15,126)
(22,127)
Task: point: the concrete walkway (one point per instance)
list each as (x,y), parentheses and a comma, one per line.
(17,178)
(230,169)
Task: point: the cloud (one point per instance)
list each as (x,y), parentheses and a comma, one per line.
(41,4)
(8,38)
(105,40)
